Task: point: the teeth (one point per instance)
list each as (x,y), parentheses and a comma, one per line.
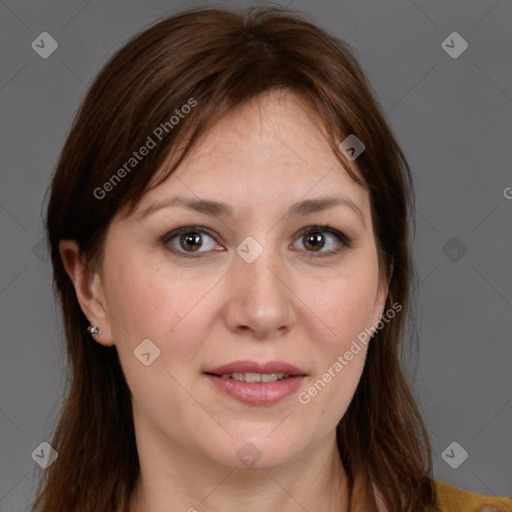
(255,377)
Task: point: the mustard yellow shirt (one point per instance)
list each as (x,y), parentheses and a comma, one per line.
(453,499)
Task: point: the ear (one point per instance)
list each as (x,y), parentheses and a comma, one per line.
(89,290)
(382,295)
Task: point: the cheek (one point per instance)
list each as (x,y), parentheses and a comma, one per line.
(146,301)
(145,304)
(342,349)
(345,304)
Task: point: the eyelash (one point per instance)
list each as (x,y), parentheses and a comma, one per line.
(343,239)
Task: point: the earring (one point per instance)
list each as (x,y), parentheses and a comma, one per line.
(94,330)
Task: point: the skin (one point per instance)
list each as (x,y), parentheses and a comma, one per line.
(290,304)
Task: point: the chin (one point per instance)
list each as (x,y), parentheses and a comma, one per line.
(258,453)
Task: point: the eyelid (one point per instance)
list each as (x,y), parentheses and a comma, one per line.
(187,229)
(341,237)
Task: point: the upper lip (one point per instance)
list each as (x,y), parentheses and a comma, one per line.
(254,367)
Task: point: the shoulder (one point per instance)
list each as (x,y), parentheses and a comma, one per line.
(453,499)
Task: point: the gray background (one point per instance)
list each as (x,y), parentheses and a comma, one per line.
(452,118)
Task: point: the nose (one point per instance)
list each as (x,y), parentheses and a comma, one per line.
(260,300)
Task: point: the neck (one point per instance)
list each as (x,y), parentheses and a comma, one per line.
(184,481)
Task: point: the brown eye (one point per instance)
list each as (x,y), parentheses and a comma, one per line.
(323,240)
(314,241)
(191,241)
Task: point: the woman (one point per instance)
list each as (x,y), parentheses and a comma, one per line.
(229,232)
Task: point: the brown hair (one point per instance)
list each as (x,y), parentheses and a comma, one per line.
(219,59)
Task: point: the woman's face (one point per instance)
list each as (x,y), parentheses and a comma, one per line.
(253,281)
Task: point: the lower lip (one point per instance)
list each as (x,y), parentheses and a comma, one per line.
(258,393)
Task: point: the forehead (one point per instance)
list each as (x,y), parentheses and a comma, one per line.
(272,149)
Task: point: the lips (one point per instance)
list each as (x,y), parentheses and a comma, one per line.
(257,393)
(254,367)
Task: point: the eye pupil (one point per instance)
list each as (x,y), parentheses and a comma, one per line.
(314,241)
(190,241)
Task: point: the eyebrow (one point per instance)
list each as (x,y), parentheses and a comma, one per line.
(219,209)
